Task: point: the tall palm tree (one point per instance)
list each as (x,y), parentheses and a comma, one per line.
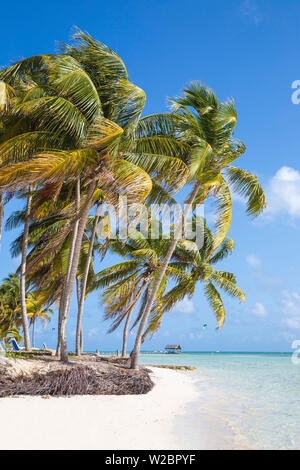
(84,282)
(8,99)
(206,125)
(10,319)
(83,104)
(23,272)
(129,282)
(37,310)
(7,94)
(197,266)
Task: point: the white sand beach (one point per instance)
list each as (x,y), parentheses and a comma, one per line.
(101,422)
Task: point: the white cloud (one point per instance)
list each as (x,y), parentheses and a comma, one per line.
(283,193)
(185,306)
(290,303)
(290,306)
(93,332)
(259,310)
(293,323)
(253,261)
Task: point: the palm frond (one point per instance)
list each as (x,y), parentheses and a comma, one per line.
(56,115)
(228,285)
(48,167)
(71,81)
(224,213)
(171,172)
(129,179)
(24,146)
(115,273)
(215,302)
(225,249)
(6,94)
(246,185)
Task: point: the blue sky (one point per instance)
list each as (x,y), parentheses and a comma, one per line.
(244,49)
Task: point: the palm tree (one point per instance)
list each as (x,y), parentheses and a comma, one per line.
(206,125)
(197,266)
(8,98)
(130,281)
(10,320)
(82,103)
(23,273)
(7,94)
(37,310)
(84,283)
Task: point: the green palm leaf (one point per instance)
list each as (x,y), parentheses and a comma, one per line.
(246,184)
(224,213)
(72,82)
(7,93)
(225,249)
(56,115)
(215,302)
(228,285)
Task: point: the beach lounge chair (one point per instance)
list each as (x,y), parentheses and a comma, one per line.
(15,345)
(36,352)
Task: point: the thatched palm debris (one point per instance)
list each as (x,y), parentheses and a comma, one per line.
(77,380)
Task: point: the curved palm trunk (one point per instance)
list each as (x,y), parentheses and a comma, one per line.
(70,260)
(69,285)
(137,346)
(84,282)
(78,302)
(33,333)
(81,340)
(23,274)
(144,336)
(125,331)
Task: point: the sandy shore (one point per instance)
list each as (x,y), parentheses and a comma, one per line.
(151,421)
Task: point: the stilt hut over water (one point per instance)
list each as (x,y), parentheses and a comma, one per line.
(173,348)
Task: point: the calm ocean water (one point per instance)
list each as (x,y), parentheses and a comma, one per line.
(256,395)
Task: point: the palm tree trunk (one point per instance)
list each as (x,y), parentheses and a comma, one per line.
(84,281)
(70,260)
(78,302)
(125,332)
(78,291)
(133,304)
(81,340)
(144,336)
(137,346)
(69,285)
(23,273)
(1,215)
(33,333)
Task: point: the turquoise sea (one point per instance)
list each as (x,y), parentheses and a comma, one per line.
(256,395)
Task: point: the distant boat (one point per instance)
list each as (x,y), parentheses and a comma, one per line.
(173,348)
